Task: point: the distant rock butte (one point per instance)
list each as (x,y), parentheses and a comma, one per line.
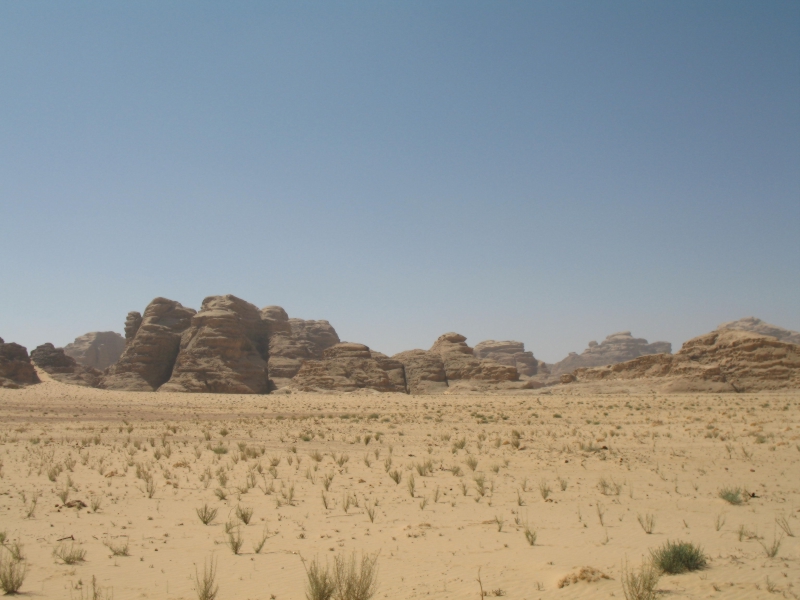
(223,351)
(723,360)
(616,348)
(148,359)
(16,369)
(55,362)
(508,353)
(460,362)
(346,367)
(758,326)
(424,371)
(98,349)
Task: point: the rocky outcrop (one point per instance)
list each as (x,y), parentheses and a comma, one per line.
(55,362)
(150,355)
(132,323)
(223,351)
(16,369)
(292,342)
(755,325)
(346,367)
(616,348)
(723,360)
(460,362)
(424,371)
(508,353)
(98,349)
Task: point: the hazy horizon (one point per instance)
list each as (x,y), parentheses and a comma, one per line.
(545,172)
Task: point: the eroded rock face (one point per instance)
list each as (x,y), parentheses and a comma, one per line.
(55,362)
(223,351)
(460,362)
(616,348)
(98,349)
(150,355)
(132,323)
(294,341)
(424,371)
(508,353)
(16,369)
(346,367)
(723,360)
(755,325)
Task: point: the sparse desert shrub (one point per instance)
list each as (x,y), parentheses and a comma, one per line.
(679,557)
(530,534)
(355,579)
(544,489)
(70,553)
(587,574)
(648,522)
(640,584)
(732,495)
(783,523)
(206,514)
(244,514)
(471,462)
(396,476)
(206,586)
(12,574)
(235,540)
(772,550)
(120,549)
(320,584)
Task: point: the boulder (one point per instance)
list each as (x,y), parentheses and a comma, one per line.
(98,349)
(16,369)
(616,348)
(292,342)
(55,362)
(223,351)
(508,353)
(755,325)
(150,354)
(346,367)
(424,371)
(723,360)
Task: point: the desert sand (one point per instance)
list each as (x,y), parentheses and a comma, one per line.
(579,466)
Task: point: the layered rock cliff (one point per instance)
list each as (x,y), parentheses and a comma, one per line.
(16,369)
(55,362)
(98,349)
(616,348)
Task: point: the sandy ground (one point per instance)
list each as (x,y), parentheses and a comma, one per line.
(577,468)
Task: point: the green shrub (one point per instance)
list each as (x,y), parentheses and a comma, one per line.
(679,557)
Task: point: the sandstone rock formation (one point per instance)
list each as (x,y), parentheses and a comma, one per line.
(150,354)
(346,367)
(293,341)
(723,360)
(16,369)
(424,371)
(132,324)
(508,353)
(758,326)
(223,351)
(55,362)
(459,362)
(616,348)
(98,349)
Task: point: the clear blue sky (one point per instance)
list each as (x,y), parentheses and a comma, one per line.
(550,172)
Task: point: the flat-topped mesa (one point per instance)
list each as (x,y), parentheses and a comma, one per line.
(149,356)
(424,371)
(346,367)
(98,349)
(755,325)
(508,353)
(723,360)
(16,369)
(61,367)
(616,348)
(223,351)
(293,341)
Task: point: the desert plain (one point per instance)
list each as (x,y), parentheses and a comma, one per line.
(508,495)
